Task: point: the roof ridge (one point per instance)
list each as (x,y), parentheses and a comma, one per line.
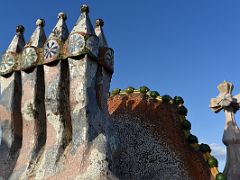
(186,125)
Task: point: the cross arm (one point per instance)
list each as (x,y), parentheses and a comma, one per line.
(236,103)
(215,104)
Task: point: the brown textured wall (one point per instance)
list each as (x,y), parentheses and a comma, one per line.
(161,121)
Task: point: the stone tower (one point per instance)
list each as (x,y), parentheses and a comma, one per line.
(231,136)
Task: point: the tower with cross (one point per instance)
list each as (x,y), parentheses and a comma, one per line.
(231,136)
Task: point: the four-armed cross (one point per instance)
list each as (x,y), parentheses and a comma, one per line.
(231,136)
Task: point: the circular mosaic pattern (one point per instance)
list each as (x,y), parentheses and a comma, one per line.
(29,58)
(6,63)
(76,44)
(51,49)
(92,45)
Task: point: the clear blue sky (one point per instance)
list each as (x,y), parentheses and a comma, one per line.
(178,47)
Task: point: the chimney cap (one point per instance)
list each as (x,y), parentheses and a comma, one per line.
(84,8)
(99,22)
(62,15)
(40,22)
(20,29)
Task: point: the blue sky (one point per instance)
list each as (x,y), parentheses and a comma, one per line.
(177,47)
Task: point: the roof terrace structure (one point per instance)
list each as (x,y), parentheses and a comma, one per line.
(59,120)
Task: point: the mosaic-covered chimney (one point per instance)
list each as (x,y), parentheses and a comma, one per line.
(11,85)
(53,105)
